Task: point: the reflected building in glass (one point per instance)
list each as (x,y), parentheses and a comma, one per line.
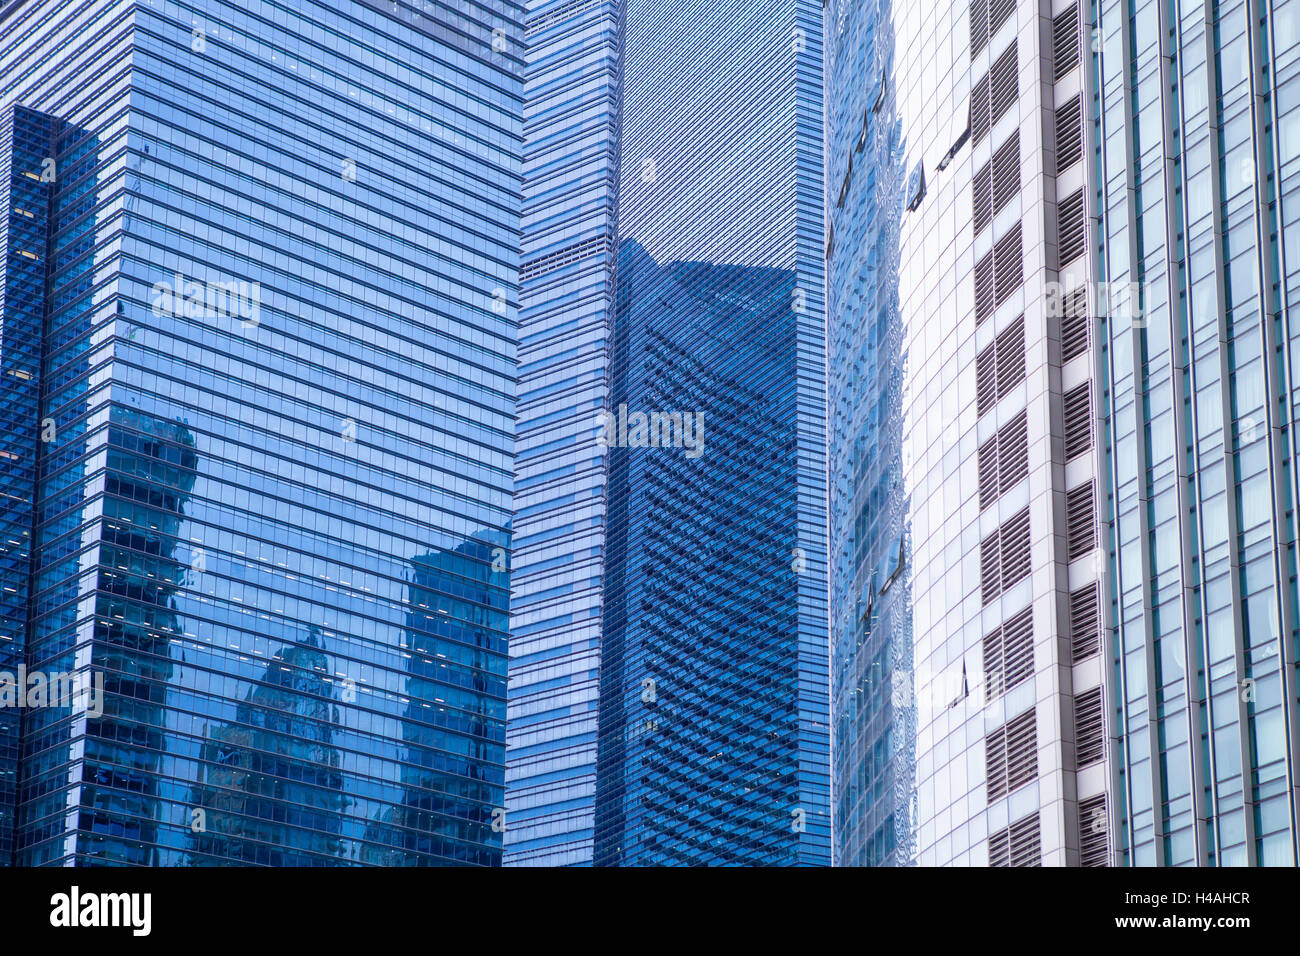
(668,679)
(1197,173)
(968,691)
(257,375)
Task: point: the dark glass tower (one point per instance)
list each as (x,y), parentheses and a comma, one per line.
(257,297)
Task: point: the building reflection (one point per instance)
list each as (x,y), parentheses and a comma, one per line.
(711,625)
(453,763)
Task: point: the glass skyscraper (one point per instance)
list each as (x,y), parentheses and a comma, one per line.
(258,273)
(967,674)
(572,92)
(1197,186)
(673,708)
(1065,251)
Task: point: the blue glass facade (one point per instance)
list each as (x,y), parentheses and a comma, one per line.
(870,578)
(572,92)
(258,349)
(675,709)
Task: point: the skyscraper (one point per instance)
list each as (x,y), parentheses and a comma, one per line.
(1197,186)
(674,708)
(572,92)
(967,677)
(257,378)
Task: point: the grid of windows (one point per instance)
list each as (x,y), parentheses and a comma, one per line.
(275,521)
(1200,420)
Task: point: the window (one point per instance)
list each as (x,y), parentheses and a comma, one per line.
(916,187)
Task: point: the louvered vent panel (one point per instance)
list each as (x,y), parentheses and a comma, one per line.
(988,472)
(979,111)
(984,299)
(1008,266)
(986,379)
(1022,750)
(1003,459)
(1014,551)
(1018,649)
(1070,229)
(1089,738)
(979,26)
(1069,134)
(1094,824)
(1065,41)
(999,13)
(1078,420)
(1009,654)
(1006,172)
(1011,356)
(990,568)
(575,252)
(1085,623)
(1018,845)
(981,195)
(995,763)
(1074,324)
(1013,452)
(1003,80)
(1081,530)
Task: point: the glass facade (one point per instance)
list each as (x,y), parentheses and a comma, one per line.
(714,704)
(871,625)
(1198,189)
(258,357)
(669,666)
